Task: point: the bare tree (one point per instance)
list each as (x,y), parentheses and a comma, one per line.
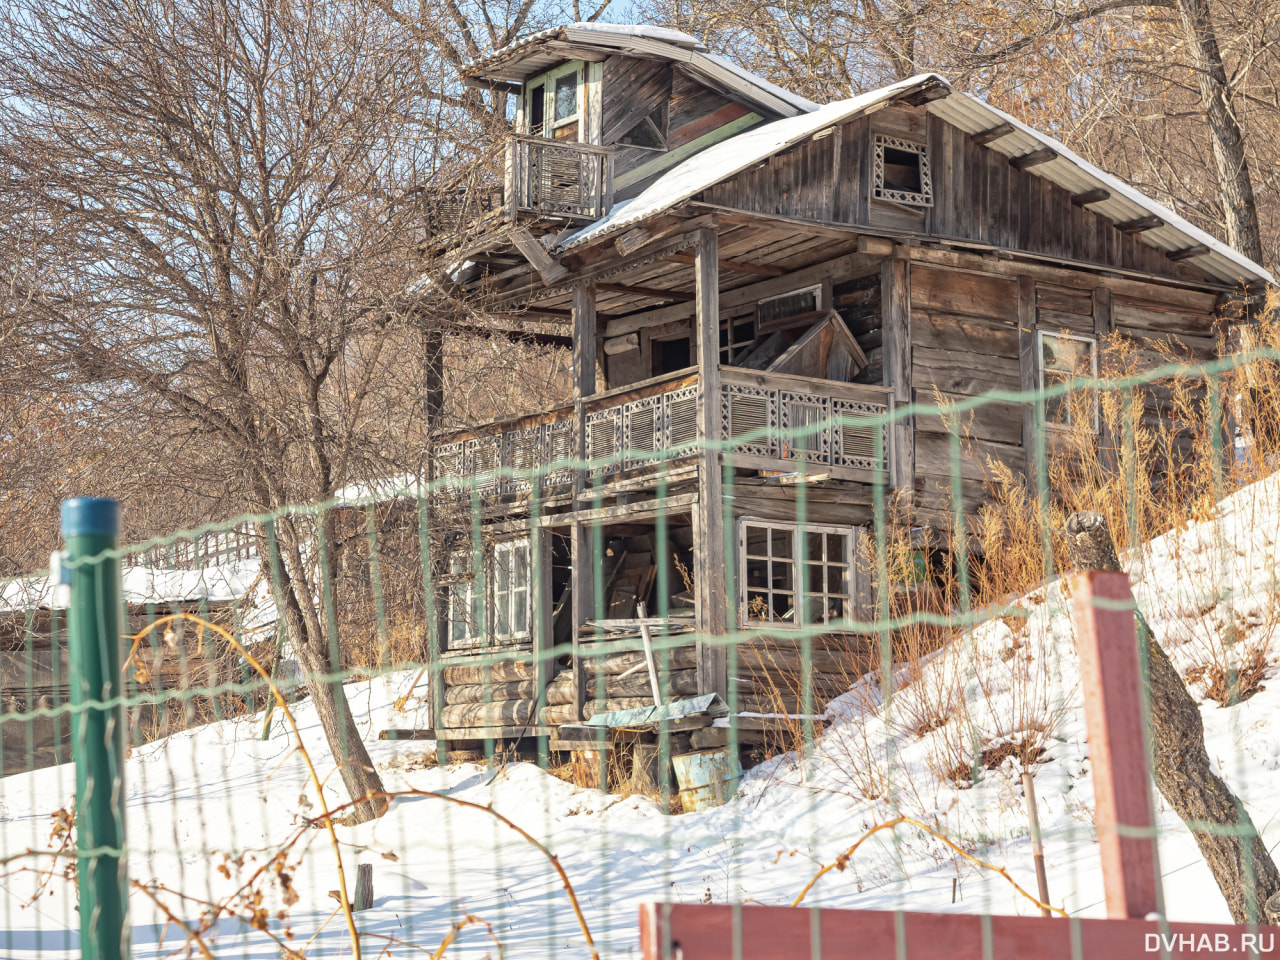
(211,218)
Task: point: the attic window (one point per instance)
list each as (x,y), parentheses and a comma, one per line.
(650,132)
(805,300)
(902,172)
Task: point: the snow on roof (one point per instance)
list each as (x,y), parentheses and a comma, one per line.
(736,154)
(1072,172)
(522,59)
(1068,170)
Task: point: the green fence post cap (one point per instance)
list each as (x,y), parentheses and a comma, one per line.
(90,516)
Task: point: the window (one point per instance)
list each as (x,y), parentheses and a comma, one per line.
(794,303)
(737,336)
(788,568)
(506,582)
(1066,357)
(901,172)
(466,609)
(511,589)
(650,132)
(553,103)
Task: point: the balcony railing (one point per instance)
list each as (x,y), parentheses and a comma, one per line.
(558,178)
(779,421)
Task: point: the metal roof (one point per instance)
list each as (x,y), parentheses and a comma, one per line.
(536,53)
(1077,175)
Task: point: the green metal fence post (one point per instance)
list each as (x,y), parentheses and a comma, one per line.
(94,637)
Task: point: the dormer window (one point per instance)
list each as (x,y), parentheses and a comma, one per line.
(553,103)
(901,172)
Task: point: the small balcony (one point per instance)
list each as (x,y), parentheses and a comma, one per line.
(558,178)
(768,422)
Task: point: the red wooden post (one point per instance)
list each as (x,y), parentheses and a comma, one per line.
(1111,676)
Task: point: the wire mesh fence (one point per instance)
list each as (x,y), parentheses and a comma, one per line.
(658,653)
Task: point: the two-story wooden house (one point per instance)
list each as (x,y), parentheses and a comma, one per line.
(750,279)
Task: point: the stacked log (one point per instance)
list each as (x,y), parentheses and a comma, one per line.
(502,693)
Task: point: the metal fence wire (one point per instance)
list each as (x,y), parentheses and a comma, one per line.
(493,711)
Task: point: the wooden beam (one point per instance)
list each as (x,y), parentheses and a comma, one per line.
(711,579)
(1034,158)
(1090,196)
(651,292)
(733,931)
(1028,373)
(1111,676)
(1186,253)
(993,133)
(496,86)
(584,340)
(582,537)
(632,240)
(760,269)
(1140,224)
(875,246)
(895,296)
(550,269)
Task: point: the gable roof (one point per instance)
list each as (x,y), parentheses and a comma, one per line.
(1067,169)
(537,52)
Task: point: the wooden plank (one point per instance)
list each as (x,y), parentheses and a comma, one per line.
(971,374)
(1028,367)
(895,294)
(1090,196)
(761,269)
(947,291)
(754,932)
(991,134)
(550,269)
(1111,676)
(1033,159)
(710,580)
(963,334)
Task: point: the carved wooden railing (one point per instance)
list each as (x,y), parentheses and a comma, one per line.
(786,418)
(780,422)
(558,178)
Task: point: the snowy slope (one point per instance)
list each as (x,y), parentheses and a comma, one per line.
(221,789)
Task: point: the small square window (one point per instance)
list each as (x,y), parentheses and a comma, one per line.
(901,172)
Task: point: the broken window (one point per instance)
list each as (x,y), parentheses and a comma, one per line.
(1066,358)
(901,172)
(504,575)
(650,132)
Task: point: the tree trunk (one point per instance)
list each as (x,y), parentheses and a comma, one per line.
(307,639)
(1237,857)
(1235,186)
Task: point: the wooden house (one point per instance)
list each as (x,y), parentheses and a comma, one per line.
(743,275)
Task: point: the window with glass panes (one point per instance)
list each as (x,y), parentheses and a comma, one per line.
(553,103)
(466,602)
(793,576)
(511,589)
(1065,357)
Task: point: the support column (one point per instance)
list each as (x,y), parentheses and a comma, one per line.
(584,385)
(1111,675)
(895,297)
(711,580)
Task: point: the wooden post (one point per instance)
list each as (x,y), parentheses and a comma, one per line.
(1028,373)
(584,385)
(1104,324)
(710,573)
(895,295)
(1111,675)
(363,899)
(1037,844)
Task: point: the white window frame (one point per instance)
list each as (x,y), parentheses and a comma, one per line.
(548,81)
(799,592)
(880,192)
(1093,364)
(481,620)
(507,603)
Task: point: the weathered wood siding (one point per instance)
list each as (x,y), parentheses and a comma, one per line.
(977,195)
(697,116)
(973,332)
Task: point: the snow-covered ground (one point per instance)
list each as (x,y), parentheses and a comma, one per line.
(221,791)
